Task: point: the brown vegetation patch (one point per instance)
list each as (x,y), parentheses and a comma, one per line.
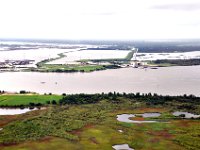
(89,126)
(137,118)
(4,120)
(185,123)
(164,133)
(93,140)
(79,131)
(154,140)
(46,139)
(7,144)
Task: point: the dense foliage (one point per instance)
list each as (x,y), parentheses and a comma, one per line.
(56,121)
(179,62)
(189,102)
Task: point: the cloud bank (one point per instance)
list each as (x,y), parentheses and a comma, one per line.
(182,7)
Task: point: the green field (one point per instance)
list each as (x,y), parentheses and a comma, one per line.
(94,125)
(65,68)
(25,99)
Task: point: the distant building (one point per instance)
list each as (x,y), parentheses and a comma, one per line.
(19,62)
(136,63)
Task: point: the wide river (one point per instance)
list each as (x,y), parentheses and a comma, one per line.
(166,81)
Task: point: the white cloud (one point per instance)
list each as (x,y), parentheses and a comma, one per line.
(99,19)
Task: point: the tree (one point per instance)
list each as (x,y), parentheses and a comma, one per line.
(22,92)
(53,102)
(48,102)
(64,94)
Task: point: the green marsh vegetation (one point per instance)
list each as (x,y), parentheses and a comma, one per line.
(88,121)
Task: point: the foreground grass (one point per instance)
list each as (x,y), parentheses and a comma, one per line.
(94,126)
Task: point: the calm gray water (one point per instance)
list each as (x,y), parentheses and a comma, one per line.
(126,117)
(122,147)
(17,111)
(187,115)
(166,81)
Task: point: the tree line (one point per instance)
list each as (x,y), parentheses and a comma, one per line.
(182,102)
(179,62)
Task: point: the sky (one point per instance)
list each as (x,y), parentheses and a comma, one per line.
(100,19)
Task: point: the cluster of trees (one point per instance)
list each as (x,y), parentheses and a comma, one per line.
(20,92)
(23,92)
(112,66)
(22,106)
(64,70)
(2,92)
(82,70)
(150,99)
(179,62)
(81,99)
(190,103)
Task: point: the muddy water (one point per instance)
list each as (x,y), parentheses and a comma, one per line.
(166,81)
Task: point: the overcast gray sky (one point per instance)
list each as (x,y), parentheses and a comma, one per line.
(100,19)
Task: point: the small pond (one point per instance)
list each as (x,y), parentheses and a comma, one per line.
(187,115)
(14,111)
(126,117)
(122,147)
